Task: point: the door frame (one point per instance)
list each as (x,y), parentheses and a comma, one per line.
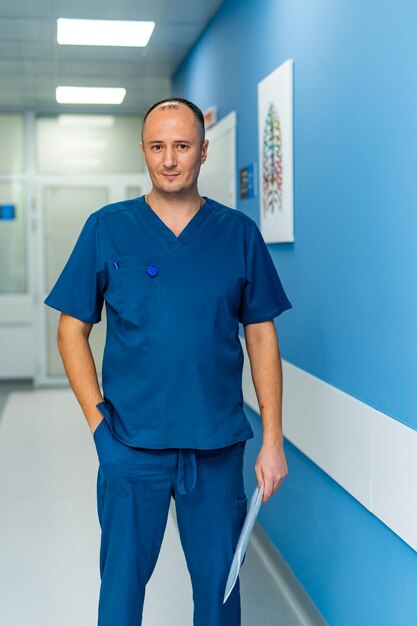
(116,185)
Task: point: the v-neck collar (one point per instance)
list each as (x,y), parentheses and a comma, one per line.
(189,229)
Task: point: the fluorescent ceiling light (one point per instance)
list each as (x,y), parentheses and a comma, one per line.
(86,120)
(90,95)
(104,32)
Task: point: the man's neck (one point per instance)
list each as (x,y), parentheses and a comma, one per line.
(180,205)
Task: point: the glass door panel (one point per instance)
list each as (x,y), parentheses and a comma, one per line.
(65,209)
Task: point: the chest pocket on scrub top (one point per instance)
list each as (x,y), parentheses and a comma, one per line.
(136,284)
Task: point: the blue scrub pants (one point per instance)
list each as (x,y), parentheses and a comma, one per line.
(134,489)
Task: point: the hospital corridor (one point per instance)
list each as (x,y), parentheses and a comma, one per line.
(208,313)
(49,537)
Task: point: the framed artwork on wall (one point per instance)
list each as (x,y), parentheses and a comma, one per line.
(275,127)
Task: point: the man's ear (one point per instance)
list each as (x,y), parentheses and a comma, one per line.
(142,147)
(204,149)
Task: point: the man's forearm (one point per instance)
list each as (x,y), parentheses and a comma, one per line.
(79,366)
(266,370)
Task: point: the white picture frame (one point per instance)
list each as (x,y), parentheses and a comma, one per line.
(275,128)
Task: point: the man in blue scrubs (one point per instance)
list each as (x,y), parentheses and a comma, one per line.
(177,273)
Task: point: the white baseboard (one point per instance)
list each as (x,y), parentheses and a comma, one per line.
(288,583)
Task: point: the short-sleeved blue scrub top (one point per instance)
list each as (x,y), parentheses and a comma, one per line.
(172,363)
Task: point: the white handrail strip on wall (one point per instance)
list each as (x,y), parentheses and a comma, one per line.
(371,455)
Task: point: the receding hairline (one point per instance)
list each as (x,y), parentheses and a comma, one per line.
(173,104)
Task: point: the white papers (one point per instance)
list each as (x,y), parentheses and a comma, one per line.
(253,510)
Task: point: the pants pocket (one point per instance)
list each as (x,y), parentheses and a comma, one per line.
(241,507)
(103,438)
(98,428)
(239,514)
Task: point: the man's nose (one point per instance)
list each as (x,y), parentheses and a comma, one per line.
(170,157)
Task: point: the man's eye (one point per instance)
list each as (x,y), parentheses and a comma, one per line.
(183,146)
(156,147)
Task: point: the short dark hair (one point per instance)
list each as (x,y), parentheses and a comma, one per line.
(194,108)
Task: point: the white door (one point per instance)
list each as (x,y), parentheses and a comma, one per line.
(64,206)
(218,174)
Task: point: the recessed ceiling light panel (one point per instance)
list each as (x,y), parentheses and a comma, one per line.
(90,95)
(104,32)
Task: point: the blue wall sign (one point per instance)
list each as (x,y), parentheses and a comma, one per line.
(246,181)
(7,212)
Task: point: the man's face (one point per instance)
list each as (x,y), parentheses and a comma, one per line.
(173,149)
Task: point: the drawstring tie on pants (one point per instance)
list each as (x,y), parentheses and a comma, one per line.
(186,465)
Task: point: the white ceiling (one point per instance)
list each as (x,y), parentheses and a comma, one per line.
(32,64)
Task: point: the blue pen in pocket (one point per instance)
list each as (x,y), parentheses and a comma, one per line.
(116,265)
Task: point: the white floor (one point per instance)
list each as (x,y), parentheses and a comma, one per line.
(49,530)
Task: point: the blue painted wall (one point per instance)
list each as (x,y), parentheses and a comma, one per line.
(350,274)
